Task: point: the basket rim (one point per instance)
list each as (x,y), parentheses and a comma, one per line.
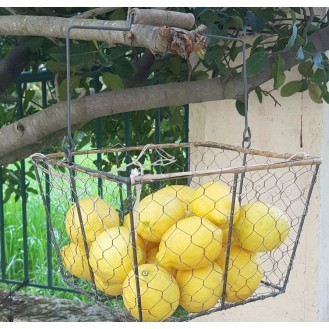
(289,160)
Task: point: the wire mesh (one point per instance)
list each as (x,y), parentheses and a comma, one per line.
(171,240)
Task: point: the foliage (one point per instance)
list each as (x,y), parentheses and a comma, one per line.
(96,66)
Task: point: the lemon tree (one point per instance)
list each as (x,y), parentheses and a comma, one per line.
(111,254)
(159,293)
(157,212)
(213,200)
(243,276)
(192,242)
(261,227)
(200,288)
(75,260)
(96,215)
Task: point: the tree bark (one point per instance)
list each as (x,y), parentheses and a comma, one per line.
(146,36)
(40,130)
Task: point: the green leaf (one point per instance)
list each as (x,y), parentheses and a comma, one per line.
(319,76)
(278,72)
(199,75)
(55,66)
(237,21)
(293,15)
(259,94)
(123,68)
(81,55)
(258,40)
(306,69)
(175,65)
(112,81)
(315,93)
(240,107)
(34,44)
(326,97)
(75,83)
(257,62)
(291,88)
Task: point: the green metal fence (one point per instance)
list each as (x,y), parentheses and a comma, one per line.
(22,227)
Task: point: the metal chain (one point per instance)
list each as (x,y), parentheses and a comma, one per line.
(246,136)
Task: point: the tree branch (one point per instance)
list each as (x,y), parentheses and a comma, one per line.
(13,64)
(96,12)
(143,70)
(35,130)
(44,128)
(158,39)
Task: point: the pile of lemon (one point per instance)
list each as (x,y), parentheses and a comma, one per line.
(180,245)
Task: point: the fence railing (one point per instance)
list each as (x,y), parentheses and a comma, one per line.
(21,231)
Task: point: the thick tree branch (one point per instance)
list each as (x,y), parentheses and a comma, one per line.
(158,40)
(46,127)
(35,130)
(13,64)
(142,70)
(96,12)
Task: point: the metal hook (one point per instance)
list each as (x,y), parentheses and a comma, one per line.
(71,145)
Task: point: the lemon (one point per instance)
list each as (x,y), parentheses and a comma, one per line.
(234,238)
(75,260)
(147,244)
(96,215)
(151,259)
(111,255)
(108,287)
(213,200)
(261,227)
(200,288)
(159,293)
(243,276)
(184,193)
(157,212)
(192,242)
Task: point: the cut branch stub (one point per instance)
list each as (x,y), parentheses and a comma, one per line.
(182,42)
(158,17)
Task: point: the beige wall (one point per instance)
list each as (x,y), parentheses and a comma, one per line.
(278,129)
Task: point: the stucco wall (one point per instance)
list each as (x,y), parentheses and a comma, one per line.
(278,129)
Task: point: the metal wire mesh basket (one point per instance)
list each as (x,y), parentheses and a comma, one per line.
(175,231)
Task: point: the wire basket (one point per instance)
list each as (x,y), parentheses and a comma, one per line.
(172,232)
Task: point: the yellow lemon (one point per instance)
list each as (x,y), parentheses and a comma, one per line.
(158,212)
(184,193)
(200,288)
(75,260)
(159,293)
(213,201)
(111,255)
(109,288)
(234,238)
(261,227)
(243,276)
(192,242)
(151,259)
(96,215)
(147,244)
